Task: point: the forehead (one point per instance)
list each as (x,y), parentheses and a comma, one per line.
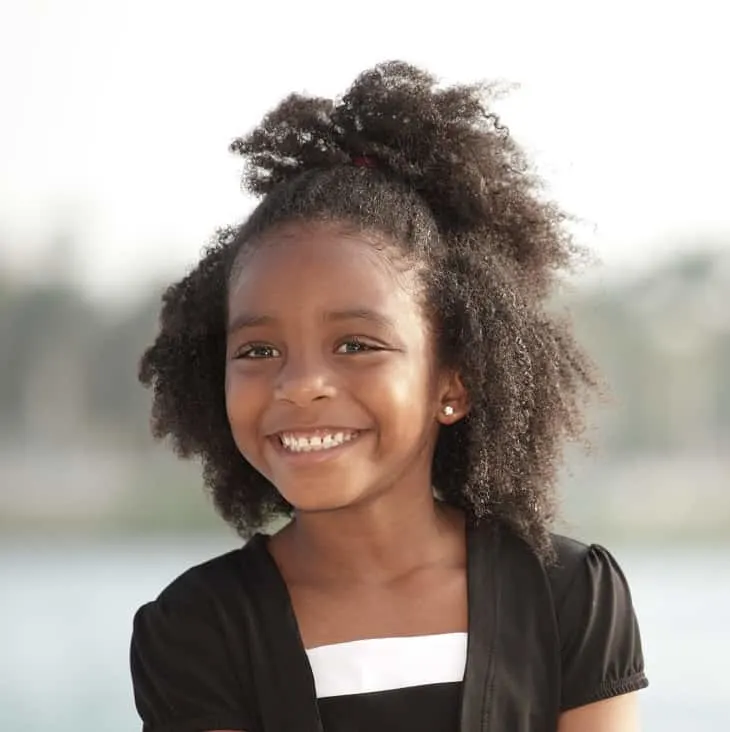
(319,267)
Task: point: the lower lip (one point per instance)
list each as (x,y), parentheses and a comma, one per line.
(314,456)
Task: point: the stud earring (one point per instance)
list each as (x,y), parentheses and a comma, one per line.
(448,410)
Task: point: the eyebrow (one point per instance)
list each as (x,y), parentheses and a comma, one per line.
(255,320)
(249,320)
(371,316)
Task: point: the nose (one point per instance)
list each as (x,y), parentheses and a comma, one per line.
(304,380)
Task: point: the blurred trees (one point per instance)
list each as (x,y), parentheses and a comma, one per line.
(662,343)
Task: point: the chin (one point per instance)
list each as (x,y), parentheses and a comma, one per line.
(319,500)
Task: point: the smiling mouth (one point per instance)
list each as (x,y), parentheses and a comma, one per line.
(319,442)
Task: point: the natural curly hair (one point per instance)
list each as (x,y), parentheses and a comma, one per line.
(434,171)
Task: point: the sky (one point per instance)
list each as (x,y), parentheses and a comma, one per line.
(116,116)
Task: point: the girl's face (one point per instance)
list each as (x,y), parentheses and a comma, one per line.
(332,390)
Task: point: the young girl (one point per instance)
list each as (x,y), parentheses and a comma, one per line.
(370,355)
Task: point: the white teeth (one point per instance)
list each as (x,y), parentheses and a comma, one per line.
(316,442)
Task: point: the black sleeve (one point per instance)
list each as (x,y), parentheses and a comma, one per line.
(182,676)
(601,650)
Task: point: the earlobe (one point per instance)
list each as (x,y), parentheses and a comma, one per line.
(454,401)
(450,414)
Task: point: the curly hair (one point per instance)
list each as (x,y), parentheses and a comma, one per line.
(433,170)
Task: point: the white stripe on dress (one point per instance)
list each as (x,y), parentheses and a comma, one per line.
(383,664)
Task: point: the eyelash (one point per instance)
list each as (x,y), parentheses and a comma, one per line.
(247,351)
(362,346)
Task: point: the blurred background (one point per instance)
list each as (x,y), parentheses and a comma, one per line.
(114,172)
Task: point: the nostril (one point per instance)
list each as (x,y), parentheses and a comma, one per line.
(305,388)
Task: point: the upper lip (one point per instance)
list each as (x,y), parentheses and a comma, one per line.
(311,429)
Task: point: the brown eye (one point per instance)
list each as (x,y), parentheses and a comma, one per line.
(356,346)
(258,351)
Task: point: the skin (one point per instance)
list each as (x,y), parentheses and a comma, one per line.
(368,543)
(327,334)
(618,714)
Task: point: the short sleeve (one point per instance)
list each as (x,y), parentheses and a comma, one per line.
(182,676)
(601,652)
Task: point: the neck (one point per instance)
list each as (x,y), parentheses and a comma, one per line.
(378,541)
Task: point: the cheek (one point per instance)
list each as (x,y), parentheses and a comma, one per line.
(410,393)
(243,399)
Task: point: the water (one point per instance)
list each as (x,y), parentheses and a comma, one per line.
(66,613)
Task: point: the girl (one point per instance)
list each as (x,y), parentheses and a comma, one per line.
(370,355)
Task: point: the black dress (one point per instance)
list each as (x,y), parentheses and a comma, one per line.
(220,649)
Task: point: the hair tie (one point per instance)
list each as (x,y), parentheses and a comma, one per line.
(364,161)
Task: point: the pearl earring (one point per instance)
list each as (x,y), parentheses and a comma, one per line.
(448,410)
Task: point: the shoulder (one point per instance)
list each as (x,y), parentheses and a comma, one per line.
(587,570)
(568,554)
(569,550)
(232,571)
(570,558)
(601,648)
(187,657)
(575,570)
(187,608)
(204,595)
(211,576)
(592,612)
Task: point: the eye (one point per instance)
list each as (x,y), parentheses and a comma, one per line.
(355,345)
(257,351)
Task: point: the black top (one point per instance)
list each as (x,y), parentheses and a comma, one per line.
(220,649)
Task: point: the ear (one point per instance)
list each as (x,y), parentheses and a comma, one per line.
(453,399)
